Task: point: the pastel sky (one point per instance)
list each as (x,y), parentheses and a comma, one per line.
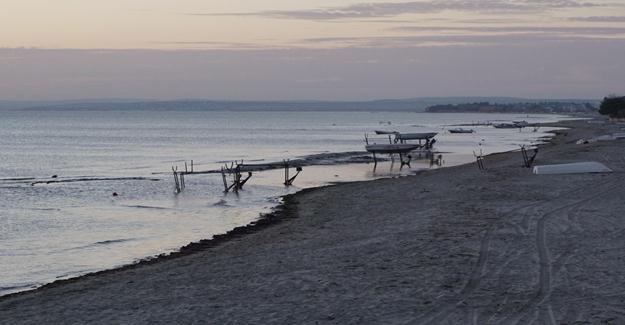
(327,49)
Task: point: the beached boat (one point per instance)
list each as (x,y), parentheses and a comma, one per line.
(513,125)
(385,132)
(427,138)
(402,137)
(505,126)
(521,124)
(461,130)
(391,148)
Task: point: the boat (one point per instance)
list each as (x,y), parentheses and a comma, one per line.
(513,125)
(385,132)
(505,125)
(391,148)
(402,137)
(428,137)
(521,124)
(400,148)
(461,130)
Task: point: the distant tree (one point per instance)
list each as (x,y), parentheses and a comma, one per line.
(613,106)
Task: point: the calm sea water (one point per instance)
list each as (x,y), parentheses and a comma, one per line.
(61,230)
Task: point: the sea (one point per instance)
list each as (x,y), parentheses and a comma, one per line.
(88,190)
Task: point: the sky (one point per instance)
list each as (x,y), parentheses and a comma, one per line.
(324,50)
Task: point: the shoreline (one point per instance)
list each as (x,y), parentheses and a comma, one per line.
(282,211)
(64,259)
(435,257)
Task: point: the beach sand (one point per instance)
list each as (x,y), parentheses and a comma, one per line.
(447,246)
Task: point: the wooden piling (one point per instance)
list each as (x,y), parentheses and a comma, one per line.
(479,160)
(286,172)
(241,183)
(176,180)
(525,158)
(223,176)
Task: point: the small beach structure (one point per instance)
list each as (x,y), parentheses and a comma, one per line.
(426,140)
(402,149)
(572,168)
(399,145)
(232,174)
(528,159)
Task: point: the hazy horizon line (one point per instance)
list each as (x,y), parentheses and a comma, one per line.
(200,99)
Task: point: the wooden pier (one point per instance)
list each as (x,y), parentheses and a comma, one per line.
(232,174)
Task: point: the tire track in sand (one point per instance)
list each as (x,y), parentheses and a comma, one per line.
(442,312)
(544,260)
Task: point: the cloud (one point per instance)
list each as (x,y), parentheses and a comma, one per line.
(600,19)
(419,36)
(518,29)
(474,35)
(455,40)
(380,9)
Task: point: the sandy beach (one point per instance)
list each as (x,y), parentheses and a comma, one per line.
(448,246)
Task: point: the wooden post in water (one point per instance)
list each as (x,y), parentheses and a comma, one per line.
(176,180)
(288,181)
(286,172)
(249,175)
(223,176)
(237,181)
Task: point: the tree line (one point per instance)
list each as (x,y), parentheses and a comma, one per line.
(614,106)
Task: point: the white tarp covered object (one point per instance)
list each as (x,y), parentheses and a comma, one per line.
(573,168)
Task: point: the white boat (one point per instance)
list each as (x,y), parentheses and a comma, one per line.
(414,136)
(385,132)
(461,130)
(428,138)
(572,168)
(391,148)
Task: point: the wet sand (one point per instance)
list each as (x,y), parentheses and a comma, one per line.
(447,246)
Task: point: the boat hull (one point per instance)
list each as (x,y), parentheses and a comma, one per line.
(391,148)
(460,131)
(415,136)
